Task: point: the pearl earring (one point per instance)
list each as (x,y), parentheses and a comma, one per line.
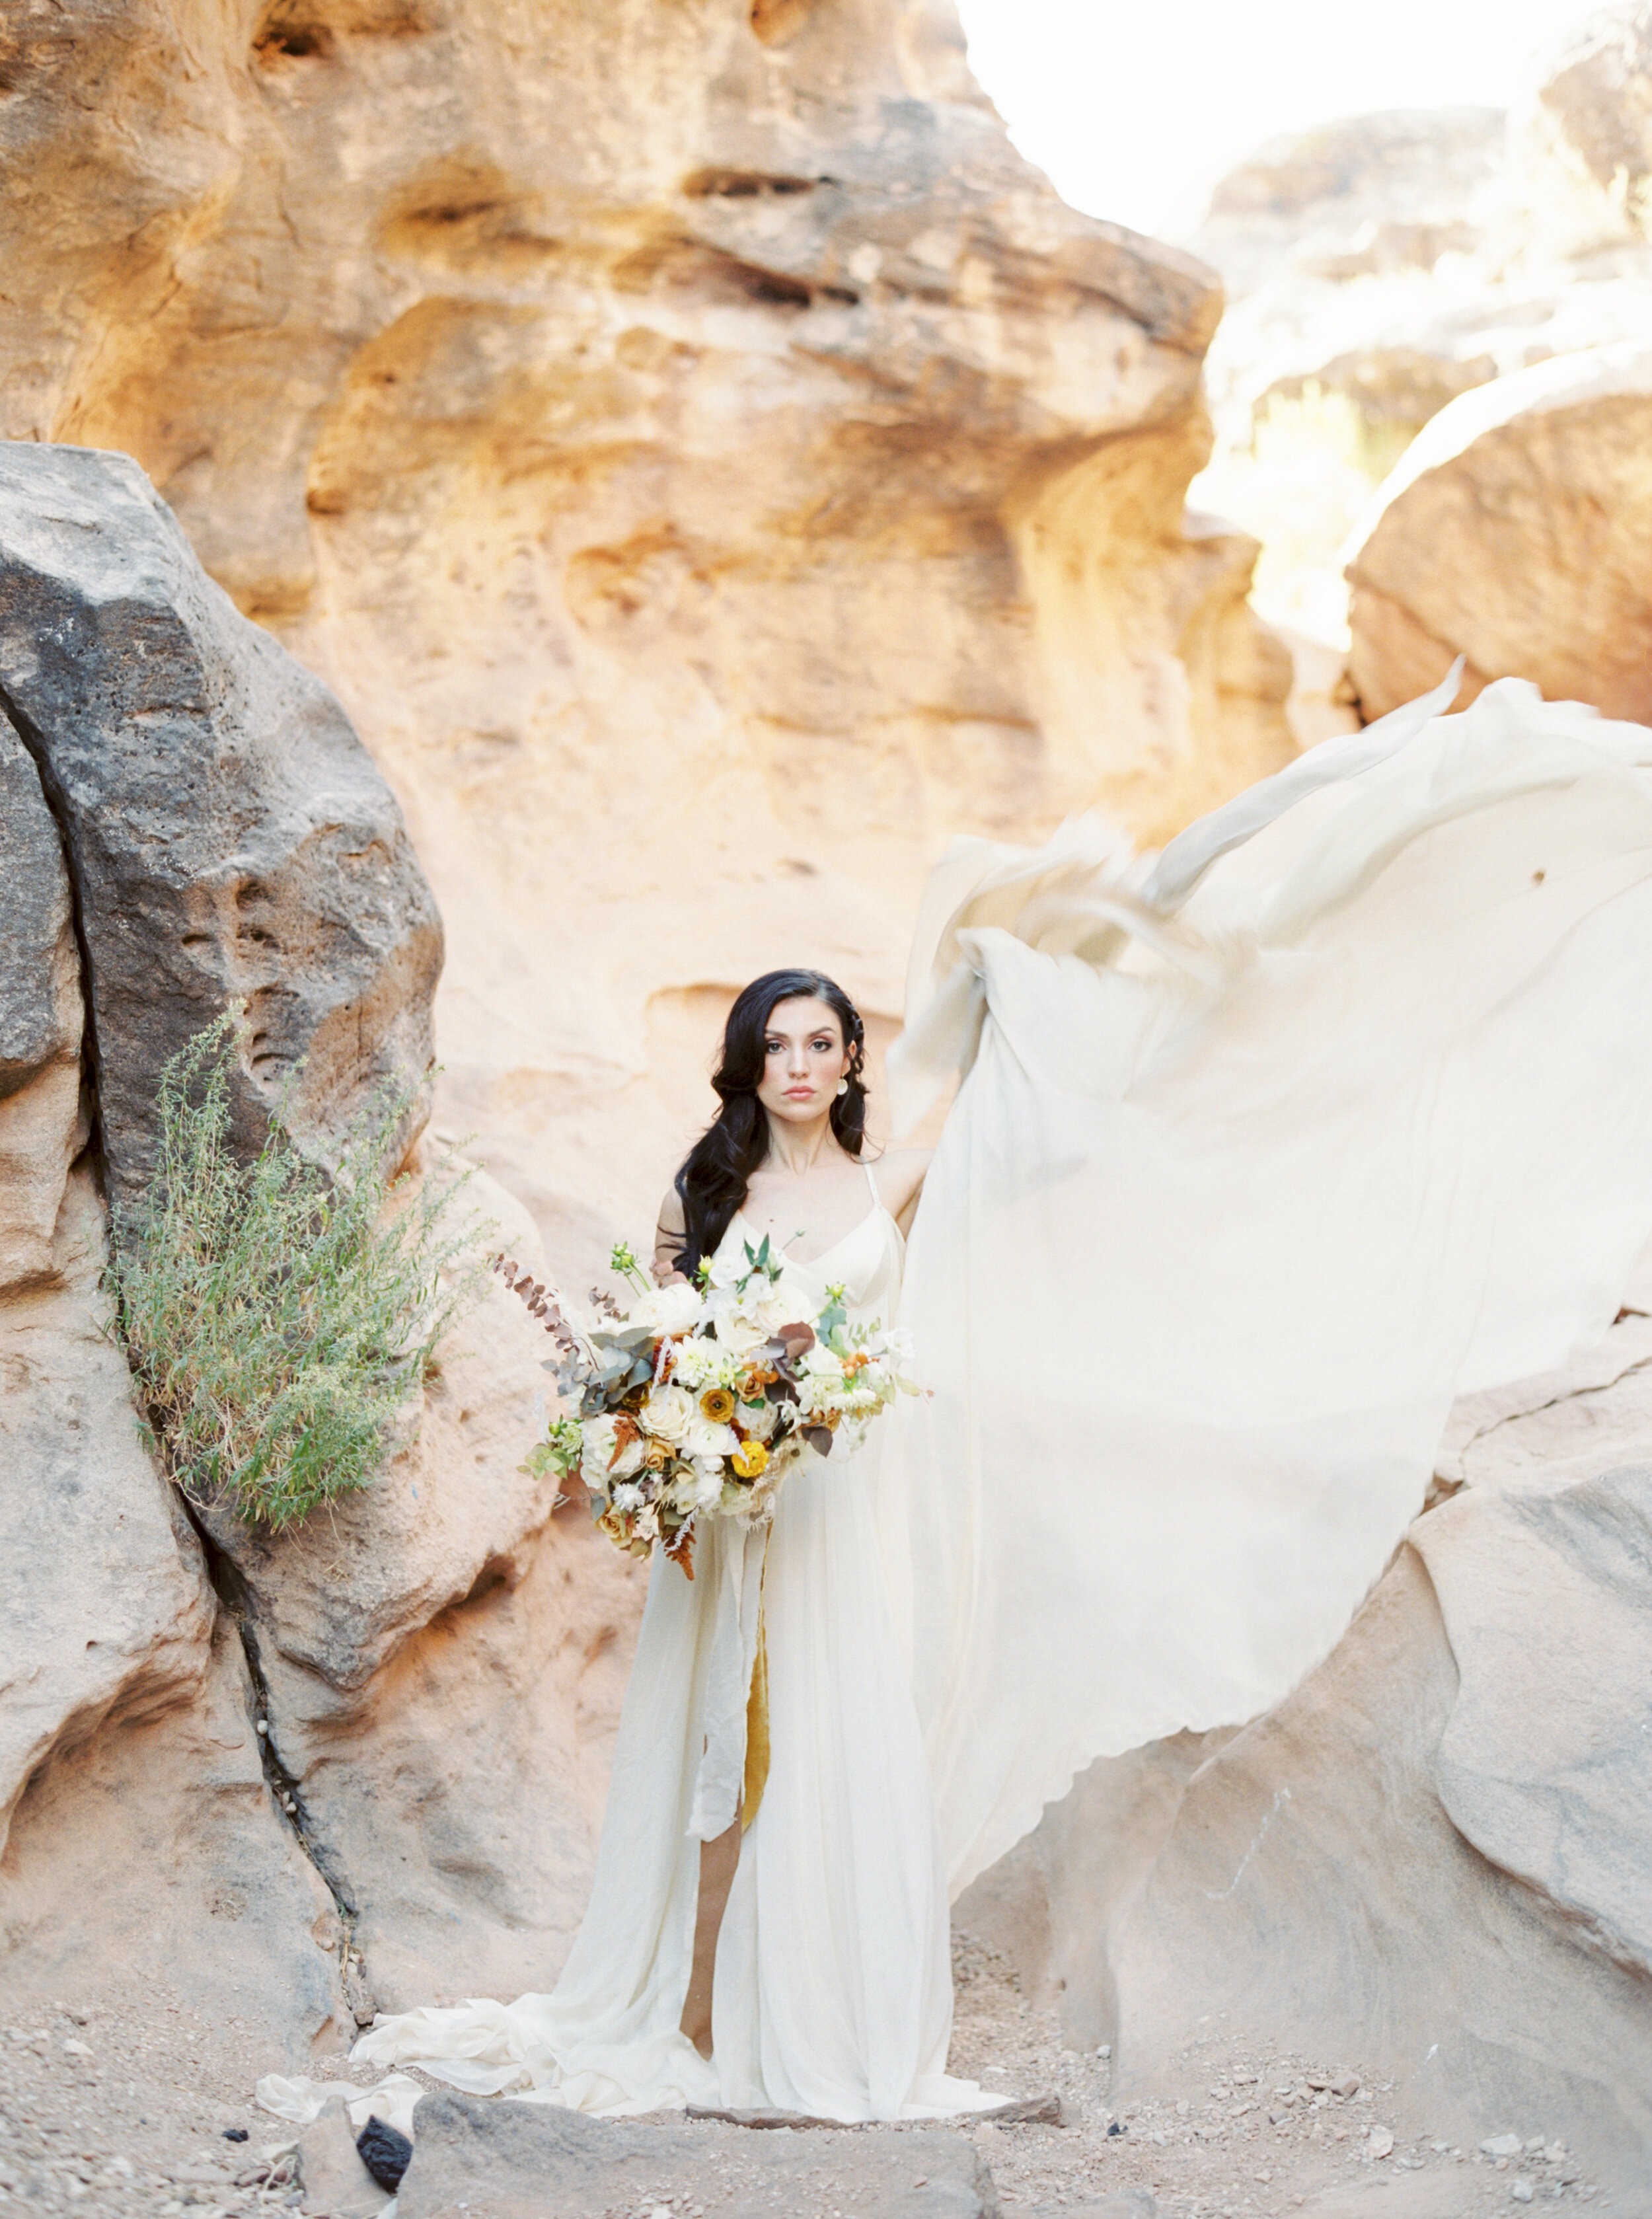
(842,1086)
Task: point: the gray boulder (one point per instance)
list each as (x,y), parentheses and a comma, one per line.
(226,833)
(1431,1859)
(1545,1764)
(528,2161)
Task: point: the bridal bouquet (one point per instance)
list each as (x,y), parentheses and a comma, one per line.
(698,1400)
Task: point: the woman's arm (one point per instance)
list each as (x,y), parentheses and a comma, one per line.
(670,1230)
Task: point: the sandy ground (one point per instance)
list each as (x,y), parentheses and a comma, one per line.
(147,2109)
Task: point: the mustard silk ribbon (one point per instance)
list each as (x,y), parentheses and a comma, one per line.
(756,1778)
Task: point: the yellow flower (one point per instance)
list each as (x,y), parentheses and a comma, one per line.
(749,1459)
(717,1405)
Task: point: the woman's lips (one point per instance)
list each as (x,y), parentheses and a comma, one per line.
(799,1093)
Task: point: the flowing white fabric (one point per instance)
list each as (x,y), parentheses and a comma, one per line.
(832,1992)
(1264,1151)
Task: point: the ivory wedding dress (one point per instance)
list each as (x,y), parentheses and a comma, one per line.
(1264,1149)
(833,1987)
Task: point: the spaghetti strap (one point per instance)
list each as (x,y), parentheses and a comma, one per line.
(876,1199)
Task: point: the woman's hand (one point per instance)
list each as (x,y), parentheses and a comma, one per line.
(670,1230)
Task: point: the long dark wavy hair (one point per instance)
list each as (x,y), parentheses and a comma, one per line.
(718,1168)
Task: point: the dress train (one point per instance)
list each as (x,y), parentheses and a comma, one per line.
(1265,1149)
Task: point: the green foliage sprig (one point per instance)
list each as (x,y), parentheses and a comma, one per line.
(277,1318)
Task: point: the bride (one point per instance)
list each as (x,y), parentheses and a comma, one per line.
(1263,1148)
(819,1902)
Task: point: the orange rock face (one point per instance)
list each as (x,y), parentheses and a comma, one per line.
(711,466)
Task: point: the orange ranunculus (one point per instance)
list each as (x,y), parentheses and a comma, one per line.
(717,1404)
(749,1459)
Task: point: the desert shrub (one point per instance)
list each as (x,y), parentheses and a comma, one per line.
(278,1318)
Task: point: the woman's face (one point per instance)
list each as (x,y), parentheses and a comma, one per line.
(804,1056)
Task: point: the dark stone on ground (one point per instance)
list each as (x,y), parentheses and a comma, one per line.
(227,834)
(384,2151)
(1030,2112)
(536,2161)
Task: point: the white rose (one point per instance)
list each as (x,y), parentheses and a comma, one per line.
(739,1334)
(779,1303)
(597,1440)
(600,1458)
(675,1309)
(668,1413)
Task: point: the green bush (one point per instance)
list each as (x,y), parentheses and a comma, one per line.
(276,1318)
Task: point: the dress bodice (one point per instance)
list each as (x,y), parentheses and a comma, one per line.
(866,1262)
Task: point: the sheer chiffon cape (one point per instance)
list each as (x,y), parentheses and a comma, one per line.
(1264,1149)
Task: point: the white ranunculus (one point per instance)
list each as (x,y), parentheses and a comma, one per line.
(701,1438)
(668,1413)
(758,1419)
(709,1477)
(819,1363)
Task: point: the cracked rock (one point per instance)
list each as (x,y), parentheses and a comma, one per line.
(227,834)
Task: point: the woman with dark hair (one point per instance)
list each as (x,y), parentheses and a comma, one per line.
(782,1160)
(769,1818)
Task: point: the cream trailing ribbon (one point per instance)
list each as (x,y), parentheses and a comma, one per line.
(729,1783)
(1264,1149)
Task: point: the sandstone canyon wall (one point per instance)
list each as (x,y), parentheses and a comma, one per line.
(710,465)
(1387,268)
